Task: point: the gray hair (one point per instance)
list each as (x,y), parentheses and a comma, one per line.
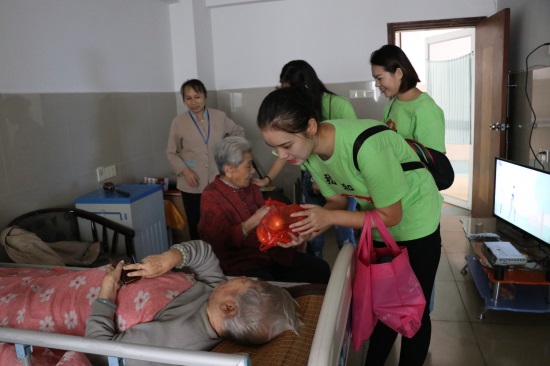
(231,151)
(264,311)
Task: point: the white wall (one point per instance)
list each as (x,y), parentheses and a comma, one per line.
(183,42)
(253,41)
(85,46)
(529,28)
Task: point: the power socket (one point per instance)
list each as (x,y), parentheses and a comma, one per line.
(543,154)
(110,171)
(100,174)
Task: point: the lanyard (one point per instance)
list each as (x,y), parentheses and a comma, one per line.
(198,128)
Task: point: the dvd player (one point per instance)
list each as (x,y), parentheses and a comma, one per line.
(502,253)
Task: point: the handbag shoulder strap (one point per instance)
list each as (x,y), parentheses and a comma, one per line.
(385,233)
(365,247)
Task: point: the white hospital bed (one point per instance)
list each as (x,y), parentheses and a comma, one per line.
(329,346)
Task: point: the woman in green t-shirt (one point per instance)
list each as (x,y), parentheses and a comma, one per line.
(411,113)
(407,201)
(328,106)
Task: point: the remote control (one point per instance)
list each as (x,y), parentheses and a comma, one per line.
(483,236)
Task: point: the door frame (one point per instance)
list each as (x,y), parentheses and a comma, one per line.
(492,38)
(431,24)
(470,22)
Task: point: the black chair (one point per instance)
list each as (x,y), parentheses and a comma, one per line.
(67,224)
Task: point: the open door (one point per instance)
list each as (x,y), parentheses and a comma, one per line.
(450,80)
(490,125)
(490,95)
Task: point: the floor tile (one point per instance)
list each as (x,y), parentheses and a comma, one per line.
(451,223)
(517,345)
(444,272)
(455,242)
(459,337)
(448,304)
(457,261)
(453,344)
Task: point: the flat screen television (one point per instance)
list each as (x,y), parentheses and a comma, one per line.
(522,199)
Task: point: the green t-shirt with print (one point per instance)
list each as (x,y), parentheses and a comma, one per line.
(420,119)
(381,181)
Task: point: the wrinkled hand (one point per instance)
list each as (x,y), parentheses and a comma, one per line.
(155,265)
(315,220)
(191,177)
(111,282)
(297,240)
(262,211)
(264,182)
(259,215)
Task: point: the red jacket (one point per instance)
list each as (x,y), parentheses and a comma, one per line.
(223,209)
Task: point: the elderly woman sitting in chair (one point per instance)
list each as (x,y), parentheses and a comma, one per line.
(232,208)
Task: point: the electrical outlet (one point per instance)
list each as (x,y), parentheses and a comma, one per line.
(543,154)
(110,171)
(353,94)
(100,174)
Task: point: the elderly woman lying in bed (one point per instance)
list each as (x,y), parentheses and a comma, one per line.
(173,310)
(212,308)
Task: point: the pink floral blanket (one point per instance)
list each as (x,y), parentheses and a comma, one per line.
(59,300)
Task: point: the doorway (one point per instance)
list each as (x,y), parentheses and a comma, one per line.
(490,89)
(443,61)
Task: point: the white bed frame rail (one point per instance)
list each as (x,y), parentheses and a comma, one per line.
(330,341)
(117,351)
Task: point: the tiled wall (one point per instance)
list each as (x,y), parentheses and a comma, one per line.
(243,104)
(51,144)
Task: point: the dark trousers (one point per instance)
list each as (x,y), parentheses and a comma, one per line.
(304,268)
(192,206)
(424,255)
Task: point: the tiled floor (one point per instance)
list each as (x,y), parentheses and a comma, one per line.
(503,338)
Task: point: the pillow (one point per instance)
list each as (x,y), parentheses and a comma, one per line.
(59,300)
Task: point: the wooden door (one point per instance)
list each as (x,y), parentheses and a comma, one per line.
(491,70)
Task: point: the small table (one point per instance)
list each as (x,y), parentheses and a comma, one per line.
(530,282)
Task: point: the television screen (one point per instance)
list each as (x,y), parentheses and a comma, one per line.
(522,198)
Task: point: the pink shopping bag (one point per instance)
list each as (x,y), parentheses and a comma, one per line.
(385,287)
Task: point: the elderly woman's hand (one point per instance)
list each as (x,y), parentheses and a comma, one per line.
(297,241)
(155,265)
(258,216)
(111,283)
